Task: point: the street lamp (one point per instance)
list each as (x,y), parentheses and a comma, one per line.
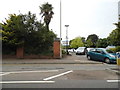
(67,37)
(60,29)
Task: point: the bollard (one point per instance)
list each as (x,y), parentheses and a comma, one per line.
(118,58)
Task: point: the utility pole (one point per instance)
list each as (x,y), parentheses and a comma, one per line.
(60,30)
(67,37)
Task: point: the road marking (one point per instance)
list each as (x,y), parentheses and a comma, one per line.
(5,73)
(58,75)
(77,60)
(113,81)
(5,82)
(35,71)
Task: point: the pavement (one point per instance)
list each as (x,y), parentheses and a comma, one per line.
(67,60)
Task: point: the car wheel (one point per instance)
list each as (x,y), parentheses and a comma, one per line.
(88,57)
(107,60)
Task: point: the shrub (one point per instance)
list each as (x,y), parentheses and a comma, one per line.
(117,49)
(63,51)
(113,49)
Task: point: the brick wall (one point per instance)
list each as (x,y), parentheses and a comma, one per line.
(56,48)
(20,52)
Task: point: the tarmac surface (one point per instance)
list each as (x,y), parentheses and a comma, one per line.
(70,59)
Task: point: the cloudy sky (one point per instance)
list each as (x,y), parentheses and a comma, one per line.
(84,17)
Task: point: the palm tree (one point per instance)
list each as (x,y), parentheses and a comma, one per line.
(47,13)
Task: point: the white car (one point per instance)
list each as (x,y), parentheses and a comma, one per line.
(81,50)
(108,47)
(70,50)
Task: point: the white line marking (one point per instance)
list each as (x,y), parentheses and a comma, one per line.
(35,71)
(5,82)
(5,73)
(113,81)
(58,75)
(77,60)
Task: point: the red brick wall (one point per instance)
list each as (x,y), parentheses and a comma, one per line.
(56,48)
(20,52)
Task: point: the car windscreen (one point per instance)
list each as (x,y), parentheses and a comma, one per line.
(81,48)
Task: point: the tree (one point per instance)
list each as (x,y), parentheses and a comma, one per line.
(13,30)
(114,37)
(77,42)
(47,13)
(13,33)
(102,43)
(89,43)
(24,30)
(17,28)
(93,39)
(83,40)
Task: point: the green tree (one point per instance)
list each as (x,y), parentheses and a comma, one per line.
(17,28)
(77,42)
(102,43)
(92,39)
(89,43)
(14,30)
(47,13)
(114,36)
(83,40)
(24,30)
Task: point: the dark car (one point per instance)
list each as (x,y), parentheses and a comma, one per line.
(102,54)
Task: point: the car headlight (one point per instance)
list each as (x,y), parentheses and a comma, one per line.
(112,55)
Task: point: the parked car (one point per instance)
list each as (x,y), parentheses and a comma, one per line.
(88,49)
(102,54)
(70,50)
(81,50)
(109,47)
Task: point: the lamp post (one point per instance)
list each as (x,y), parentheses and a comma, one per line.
(60,30)
(67,37)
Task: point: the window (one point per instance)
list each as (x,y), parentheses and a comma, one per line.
(99,51)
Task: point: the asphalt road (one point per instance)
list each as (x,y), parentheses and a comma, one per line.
(60,78)
(59,75)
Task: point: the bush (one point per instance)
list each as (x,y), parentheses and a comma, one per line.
(113,49)
(63,52)
(117,49)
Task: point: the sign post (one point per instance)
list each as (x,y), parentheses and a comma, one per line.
(118,58)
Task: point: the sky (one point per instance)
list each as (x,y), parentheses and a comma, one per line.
(84,17)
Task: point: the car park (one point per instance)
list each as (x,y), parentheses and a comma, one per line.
(102,54)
